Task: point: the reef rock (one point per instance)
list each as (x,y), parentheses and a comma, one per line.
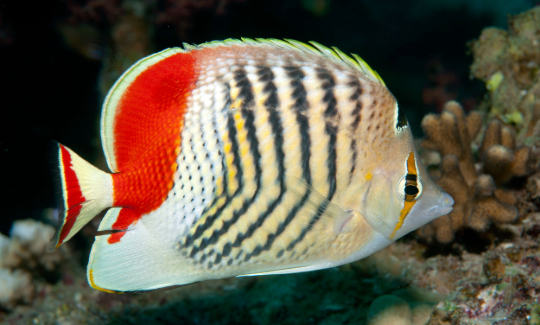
(23,257)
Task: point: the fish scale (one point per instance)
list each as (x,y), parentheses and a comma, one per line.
(246,158)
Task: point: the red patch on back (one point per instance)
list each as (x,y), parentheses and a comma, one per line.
(74,196)
(148,124)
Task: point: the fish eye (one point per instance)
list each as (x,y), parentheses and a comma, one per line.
(411,190)
(410,187)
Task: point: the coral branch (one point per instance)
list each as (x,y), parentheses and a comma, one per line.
(478,202)
(451,133)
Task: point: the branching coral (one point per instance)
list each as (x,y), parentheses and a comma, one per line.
(508,62)
(500,158)
(451,133)
(477,200)
(487,206)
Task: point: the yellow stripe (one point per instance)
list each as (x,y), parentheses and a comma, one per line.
(93,284)
(407,206)
(411,165)
(229,162)
(404,212)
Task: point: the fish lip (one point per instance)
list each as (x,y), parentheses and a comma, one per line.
(445,207)
(446,210)
(440,211)
(450,199)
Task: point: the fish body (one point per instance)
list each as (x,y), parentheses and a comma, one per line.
(241,158)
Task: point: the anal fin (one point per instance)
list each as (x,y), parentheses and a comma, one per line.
(142,259)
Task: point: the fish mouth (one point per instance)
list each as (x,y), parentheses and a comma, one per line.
(439,211)
(448,201)
(444,208)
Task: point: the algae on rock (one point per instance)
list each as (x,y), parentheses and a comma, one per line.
(509,63)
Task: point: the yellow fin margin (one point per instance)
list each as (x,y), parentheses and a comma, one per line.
(92,283)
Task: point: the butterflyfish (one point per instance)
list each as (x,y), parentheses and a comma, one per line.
(244,157)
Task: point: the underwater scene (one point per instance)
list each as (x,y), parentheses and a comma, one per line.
(270,162)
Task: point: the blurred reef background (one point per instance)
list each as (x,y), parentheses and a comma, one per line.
(466,72)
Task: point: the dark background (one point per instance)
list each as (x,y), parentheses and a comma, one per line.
(49,90)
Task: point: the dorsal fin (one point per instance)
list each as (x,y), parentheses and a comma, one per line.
(109,118)
(333,54)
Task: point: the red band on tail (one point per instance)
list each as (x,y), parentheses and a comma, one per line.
(84,192)
(72,193)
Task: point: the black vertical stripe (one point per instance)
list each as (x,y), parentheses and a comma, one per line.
(224,169)
(281,228)
(240,252)
(355,97)
(357,118)
(246,95)
(320,210)
(332,119)
(354,159)
(301,106)
(357,88)
(218,258)
(271,105)
(191,238)
(235,150)
(204,150)
(327,84)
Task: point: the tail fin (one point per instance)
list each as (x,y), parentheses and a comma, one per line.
(85,191)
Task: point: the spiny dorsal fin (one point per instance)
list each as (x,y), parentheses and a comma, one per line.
(333,53)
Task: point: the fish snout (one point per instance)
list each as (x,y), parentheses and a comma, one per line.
(447,200)
(444,207)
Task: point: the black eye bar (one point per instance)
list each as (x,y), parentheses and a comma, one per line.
(411,191)
(411,177)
